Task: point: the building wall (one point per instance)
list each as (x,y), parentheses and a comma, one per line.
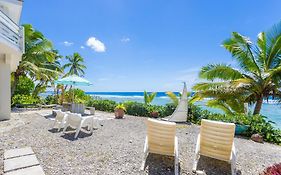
(5,88)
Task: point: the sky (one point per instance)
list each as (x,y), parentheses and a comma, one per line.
(153,45)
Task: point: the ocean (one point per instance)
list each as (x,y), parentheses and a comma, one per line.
(271,109)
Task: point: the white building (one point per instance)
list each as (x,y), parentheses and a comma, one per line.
(11,50)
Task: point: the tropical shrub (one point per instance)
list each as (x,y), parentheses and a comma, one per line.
(24,99)
(132,108)
(168,109)
(257,123)
(137,109)
(272,170)
(79,96)
(50,99)
(102,105)
(24,86)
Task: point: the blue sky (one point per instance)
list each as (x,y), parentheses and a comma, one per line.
(136,45)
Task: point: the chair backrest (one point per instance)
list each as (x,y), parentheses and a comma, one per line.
(216,139)
(161,137)
(59,114)
(73,119)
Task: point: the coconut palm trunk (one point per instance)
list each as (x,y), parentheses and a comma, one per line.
(258,105)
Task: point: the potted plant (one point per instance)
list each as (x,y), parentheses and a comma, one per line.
(120,111)
(78,106)
(153,111)
(154,114)
(241,124)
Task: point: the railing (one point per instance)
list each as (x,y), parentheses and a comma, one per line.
(10,31)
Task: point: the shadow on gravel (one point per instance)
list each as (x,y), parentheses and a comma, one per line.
(214,167)
(69,134)
(50,116)
(159,164)
(54,130)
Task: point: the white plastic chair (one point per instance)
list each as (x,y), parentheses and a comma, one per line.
(161,139)
(60,119)
(216,140)
(77,121)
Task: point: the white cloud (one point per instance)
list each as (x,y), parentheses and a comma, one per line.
(125,39)
(82,47)
(67,43)
(96,44)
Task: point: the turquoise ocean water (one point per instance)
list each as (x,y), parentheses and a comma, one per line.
(271,109)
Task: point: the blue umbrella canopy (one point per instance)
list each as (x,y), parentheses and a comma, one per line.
(73,80)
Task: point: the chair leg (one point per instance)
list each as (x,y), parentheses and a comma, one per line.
(144,160)
(146,152)
(233,165)
(176,168)
(194,168)
(197,154)
(65,127)
(92,126)
(77,131)
(54,124)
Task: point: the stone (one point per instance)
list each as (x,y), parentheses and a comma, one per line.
(257,138)
(17,152)
(20,162)
(34,170)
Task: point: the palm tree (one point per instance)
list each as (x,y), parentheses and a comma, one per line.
(258,75)
(148,98)
(173,97)
(75,65)
(39,59)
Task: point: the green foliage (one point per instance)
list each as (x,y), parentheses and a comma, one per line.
(173,97)
(148,98)
(25,86)
(132,108)
(75,64)
(50,99)
(257,123)
(24,99)
(102,105)
(258,75)
(79,96)
(39,61)
(120,106)
(137,109)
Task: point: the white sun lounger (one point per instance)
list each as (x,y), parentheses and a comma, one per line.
(161,139)
(60,119)
(77,121)
(216,140)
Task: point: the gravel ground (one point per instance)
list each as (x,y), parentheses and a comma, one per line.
(116,147)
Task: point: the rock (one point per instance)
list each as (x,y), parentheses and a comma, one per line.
(257,138)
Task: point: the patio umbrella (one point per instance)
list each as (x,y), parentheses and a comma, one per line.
(73,80)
